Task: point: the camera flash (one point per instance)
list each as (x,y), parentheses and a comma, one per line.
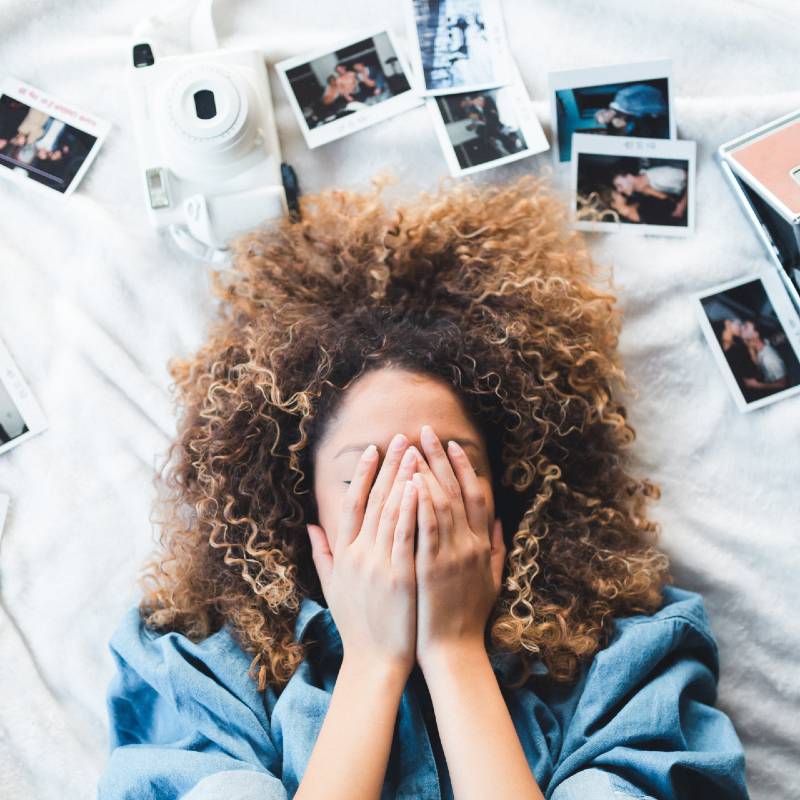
(157,187)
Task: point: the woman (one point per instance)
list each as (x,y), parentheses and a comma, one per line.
(420,619)
(772,374)
(737,354)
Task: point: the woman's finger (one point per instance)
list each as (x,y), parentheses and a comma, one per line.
(387,523)
(498,554)
(471,490)
(443,470)
(403,540)
(383,485)
(439,502)
(428,528)
(355,499)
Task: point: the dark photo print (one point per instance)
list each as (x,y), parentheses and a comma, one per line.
(46,149)
(752,340)
(634,191)
(481,126)
(346,81)
(633,108)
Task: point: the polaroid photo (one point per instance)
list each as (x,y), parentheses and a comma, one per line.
(754,332)
(458,45)
(645,186)
(20,414)
(342,89)
(483,129)
(4,501)
(617,100)
(44,141)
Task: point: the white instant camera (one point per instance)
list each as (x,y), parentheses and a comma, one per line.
(208,146)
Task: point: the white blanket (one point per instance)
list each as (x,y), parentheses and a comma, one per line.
(93,304)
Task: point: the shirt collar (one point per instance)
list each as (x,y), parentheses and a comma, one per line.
(309,610)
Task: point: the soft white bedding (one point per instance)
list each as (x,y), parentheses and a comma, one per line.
(93,305)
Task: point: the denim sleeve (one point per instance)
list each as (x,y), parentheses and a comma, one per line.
(185,721)
(645,725)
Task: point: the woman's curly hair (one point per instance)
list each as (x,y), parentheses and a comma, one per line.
(483,286)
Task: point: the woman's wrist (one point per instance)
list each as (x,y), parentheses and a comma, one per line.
(390,674)
(446,657)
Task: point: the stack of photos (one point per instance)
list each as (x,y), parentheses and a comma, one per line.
(43,141)
(20,414)
(754,332)
(616,125)
(346,87)
(763,169)
(480,108)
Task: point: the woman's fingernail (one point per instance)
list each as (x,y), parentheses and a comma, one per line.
(398,441)
(370,451)
(454,447)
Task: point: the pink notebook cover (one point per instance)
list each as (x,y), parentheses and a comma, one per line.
(770,160)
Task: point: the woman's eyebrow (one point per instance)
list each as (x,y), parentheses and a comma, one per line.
(359,447)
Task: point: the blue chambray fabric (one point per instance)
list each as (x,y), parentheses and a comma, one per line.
(187,722)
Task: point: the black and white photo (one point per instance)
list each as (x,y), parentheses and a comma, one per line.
(20,414)
(617,100)
(44,141)
(754,332)
(479,130)
(345,88)
(458,45)
(644,186)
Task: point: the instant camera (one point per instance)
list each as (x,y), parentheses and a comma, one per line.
(763,169)
(208,146)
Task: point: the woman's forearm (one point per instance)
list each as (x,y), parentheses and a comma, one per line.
(351,753)
(483,752)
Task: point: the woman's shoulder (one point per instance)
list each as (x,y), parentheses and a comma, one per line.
(679,631)
(164,657)
(134,638)
(172,665)
(677,604)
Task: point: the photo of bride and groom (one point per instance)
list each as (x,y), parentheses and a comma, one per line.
(753,341)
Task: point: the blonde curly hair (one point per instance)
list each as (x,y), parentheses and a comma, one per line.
(484,286)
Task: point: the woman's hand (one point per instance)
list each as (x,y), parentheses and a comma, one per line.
(459,561)
(368,579)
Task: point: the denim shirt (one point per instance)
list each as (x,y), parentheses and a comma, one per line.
(639,100)
(187,722)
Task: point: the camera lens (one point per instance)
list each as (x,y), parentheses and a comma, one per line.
(204,104)
(206,120)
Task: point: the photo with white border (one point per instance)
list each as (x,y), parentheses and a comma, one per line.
(615,100)
(753,330)
(642,186)
(43,141)
(20,414)
(344,88)
(457,45)
(4,501)
(483,129)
